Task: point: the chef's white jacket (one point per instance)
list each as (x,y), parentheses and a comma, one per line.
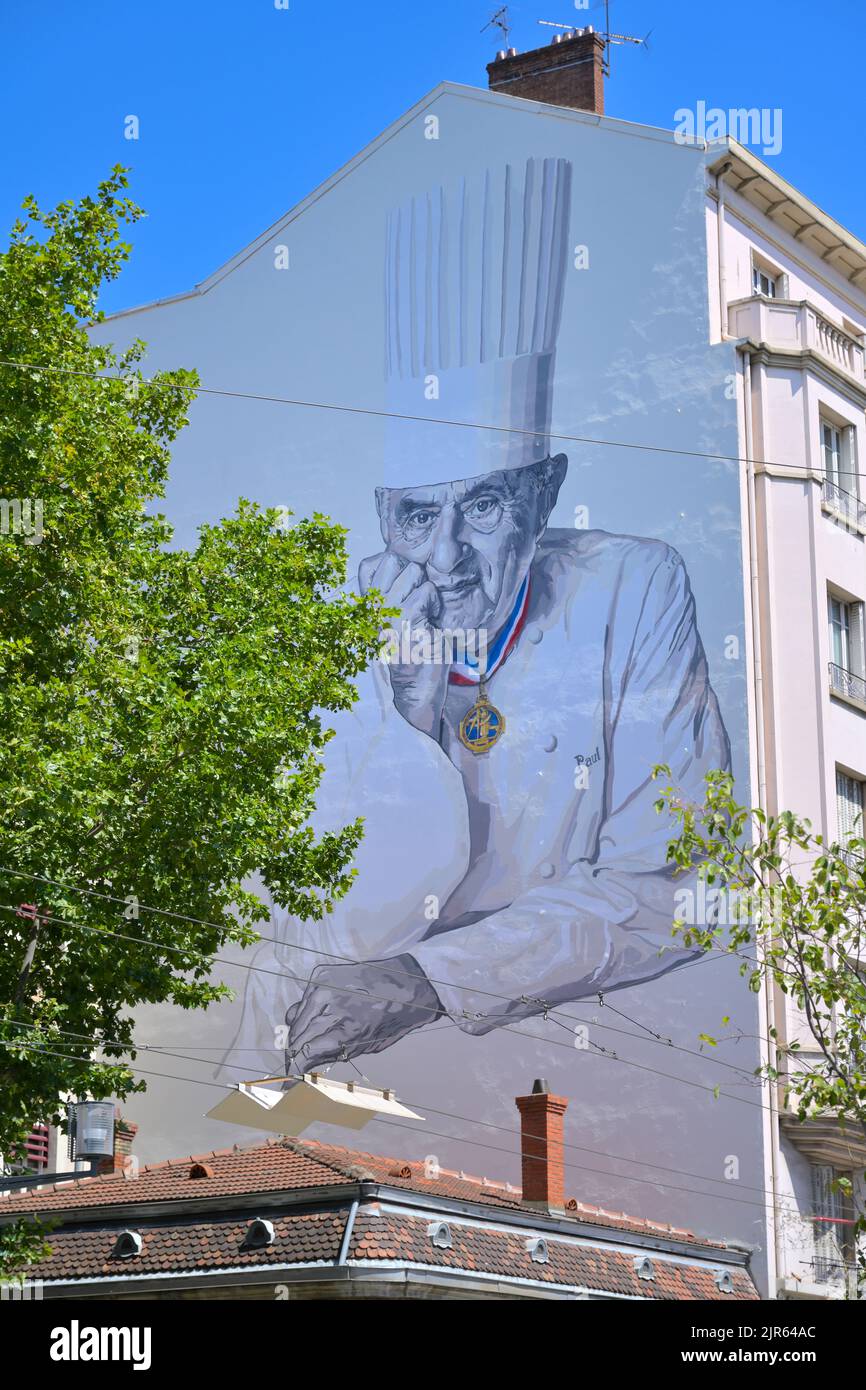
(505,874)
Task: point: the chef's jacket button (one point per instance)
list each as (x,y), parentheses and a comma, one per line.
(547,870)
(550,743)
(534,634)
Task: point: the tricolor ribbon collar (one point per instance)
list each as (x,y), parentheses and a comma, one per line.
(467,672)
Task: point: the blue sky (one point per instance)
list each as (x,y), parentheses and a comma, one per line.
(245,108)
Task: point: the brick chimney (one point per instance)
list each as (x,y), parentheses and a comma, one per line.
(567,72)
(542,1148)
(124,1134)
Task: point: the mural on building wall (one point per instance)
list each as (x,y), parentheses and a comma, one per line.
(502,750)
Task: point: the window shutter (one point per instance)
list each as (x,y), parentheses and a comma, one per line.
(36,1148)
(857,652)
(848,461)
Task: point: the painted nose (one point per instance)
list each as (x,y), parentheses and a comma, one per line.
(447,549)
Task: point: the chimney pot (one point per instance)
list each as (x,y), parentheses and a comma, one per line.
(124,1134)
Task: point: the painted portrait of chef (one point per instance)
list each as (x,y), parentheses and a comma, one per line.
(512,858)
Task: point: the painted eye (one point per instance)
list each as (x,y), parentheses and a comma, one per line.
(483,509)
(420,518)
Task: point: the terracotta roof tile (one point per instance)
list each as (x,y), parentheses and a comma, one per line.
(283,1165)
(177,1246)
(395,1236)
(278,1165)
(214,1239)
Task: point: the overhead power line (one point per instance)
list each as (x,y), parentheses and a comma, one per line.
(345,989)
(446,1114)
(548,1012)
(397,415)
(654,1182)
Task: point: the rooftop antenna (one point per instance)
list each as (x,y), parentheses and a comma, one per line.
(500,20)
(607,34)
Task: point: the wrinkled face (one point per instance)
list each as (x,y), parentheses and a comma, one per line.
(475,538)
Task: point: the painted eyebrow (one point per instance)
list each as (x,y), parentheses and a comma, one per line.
(484,485)
(411,504)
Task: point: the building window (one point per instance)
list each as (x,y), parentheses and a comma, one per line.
(839,451)
(764,282)
(849,808)
(840,632)
(33,1156)
(847,648)
(831,443)
(830,1211)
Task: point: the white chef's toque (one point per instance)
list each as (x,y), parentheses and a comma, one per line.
(474,284)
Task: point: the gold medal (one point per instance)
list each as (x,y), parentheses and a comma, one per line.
(482,725)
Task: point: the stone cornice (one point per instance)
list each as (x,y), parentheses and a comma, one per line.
(805,359)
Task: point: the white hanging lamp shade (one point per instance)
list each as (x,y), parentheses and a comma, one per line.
(314,1099)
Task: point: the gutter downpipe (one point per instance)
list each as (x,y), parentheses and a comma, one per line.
(757,670)
(347,1234)
(760,748)
(720,251)
(754,586)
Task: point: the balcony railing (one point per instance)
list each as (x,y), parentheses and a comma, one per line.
(847,683)
(834,343)
(847,504)
(796,324)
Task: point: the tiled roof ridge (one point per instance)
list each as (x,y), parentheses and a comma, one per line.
(645,1222)
(71,1186)
(85,1179)
(302,1148)
(353,1164)
(579,1208)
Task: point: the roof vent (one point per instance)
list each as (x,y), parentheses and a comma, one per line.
(127,1245)
(723,1281)
(201,1170)
(440,1234)
(259,1233)
(538,1251)
(644,1268)
(403,1172)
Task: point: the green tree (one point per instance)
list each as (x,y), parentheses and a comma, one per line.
(164,711)
(792,906)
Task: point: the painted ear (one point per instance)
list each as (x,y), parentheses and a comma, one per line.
(558,467)
(382,509)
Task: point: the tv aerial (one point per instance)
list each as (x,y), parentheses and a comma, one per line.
(500,21)
(610,38)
